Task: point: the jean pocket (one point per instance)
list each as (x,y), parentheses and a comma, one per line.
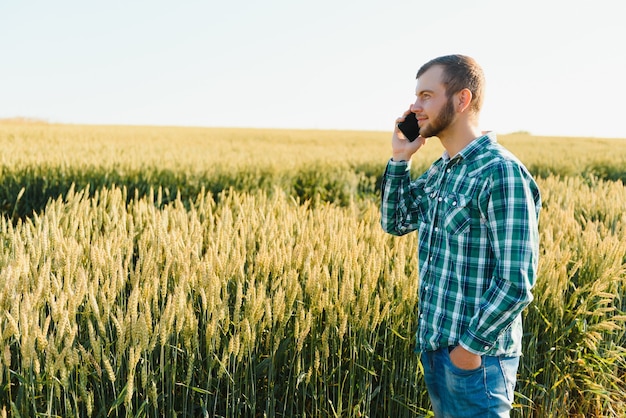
(464,384)
(460,371)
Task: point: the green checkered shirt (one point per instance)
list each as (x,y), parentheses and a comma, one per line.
(477,220)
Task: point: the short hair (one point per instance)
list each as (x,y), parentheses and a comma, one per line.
(460,72)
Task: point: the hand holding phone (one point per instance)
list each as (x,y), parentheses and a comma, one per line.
(409,128)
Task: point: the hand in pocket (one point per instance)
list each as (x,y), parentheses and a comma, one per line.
(463,359)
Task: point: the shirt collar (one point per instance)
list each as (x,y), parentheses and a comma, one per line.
(471,148)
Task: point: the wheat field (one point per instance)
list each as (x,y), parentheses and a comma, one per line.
(162,271)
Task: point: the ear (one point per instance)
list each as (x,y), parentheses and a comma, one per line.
(463,100)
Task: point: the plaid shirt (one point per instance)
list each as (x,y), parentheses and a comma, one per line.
(477,220)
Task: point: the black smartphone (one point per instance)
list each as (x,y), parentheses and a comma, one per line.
(409,127)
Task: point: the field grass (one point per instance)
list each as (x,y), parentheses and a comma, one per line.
(220,272)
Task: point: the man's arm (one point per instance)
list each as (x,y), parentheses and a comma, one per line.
(395,216)
(514,237)
(396,196)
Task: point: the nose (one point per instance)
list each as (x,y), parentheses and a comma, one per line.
(417,106)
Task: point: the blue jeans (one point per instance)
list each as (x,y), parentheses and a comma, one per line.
(483,392)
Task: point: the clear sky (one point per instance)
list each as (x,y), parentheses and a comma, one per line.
(553,67)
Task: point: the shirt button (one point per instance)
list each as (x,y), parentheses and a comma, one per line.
(436,229)
(448,170)
(440,199)
(486,347)
(454,203)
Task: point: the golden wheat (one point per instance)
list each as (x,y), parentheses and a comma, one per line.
(248,303)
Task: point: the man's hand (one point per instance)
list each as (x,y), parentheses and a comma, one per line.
(463,359)
(402,149)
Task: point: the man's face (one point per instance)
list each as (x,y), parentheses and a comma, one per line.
(435,112)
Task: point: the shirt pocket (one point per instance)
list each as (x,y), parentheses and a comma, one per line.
(457,218)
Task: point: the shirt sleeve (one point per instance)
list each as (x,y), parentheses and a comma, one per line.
(398,204)
(512,212)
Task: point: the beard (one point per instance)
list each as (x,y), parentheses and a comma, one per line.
(441,122)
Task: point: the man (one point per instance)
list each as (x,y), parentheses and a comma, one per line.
(476,211)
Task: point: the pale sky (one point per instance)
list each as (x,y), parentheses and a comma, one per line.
(552,67)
